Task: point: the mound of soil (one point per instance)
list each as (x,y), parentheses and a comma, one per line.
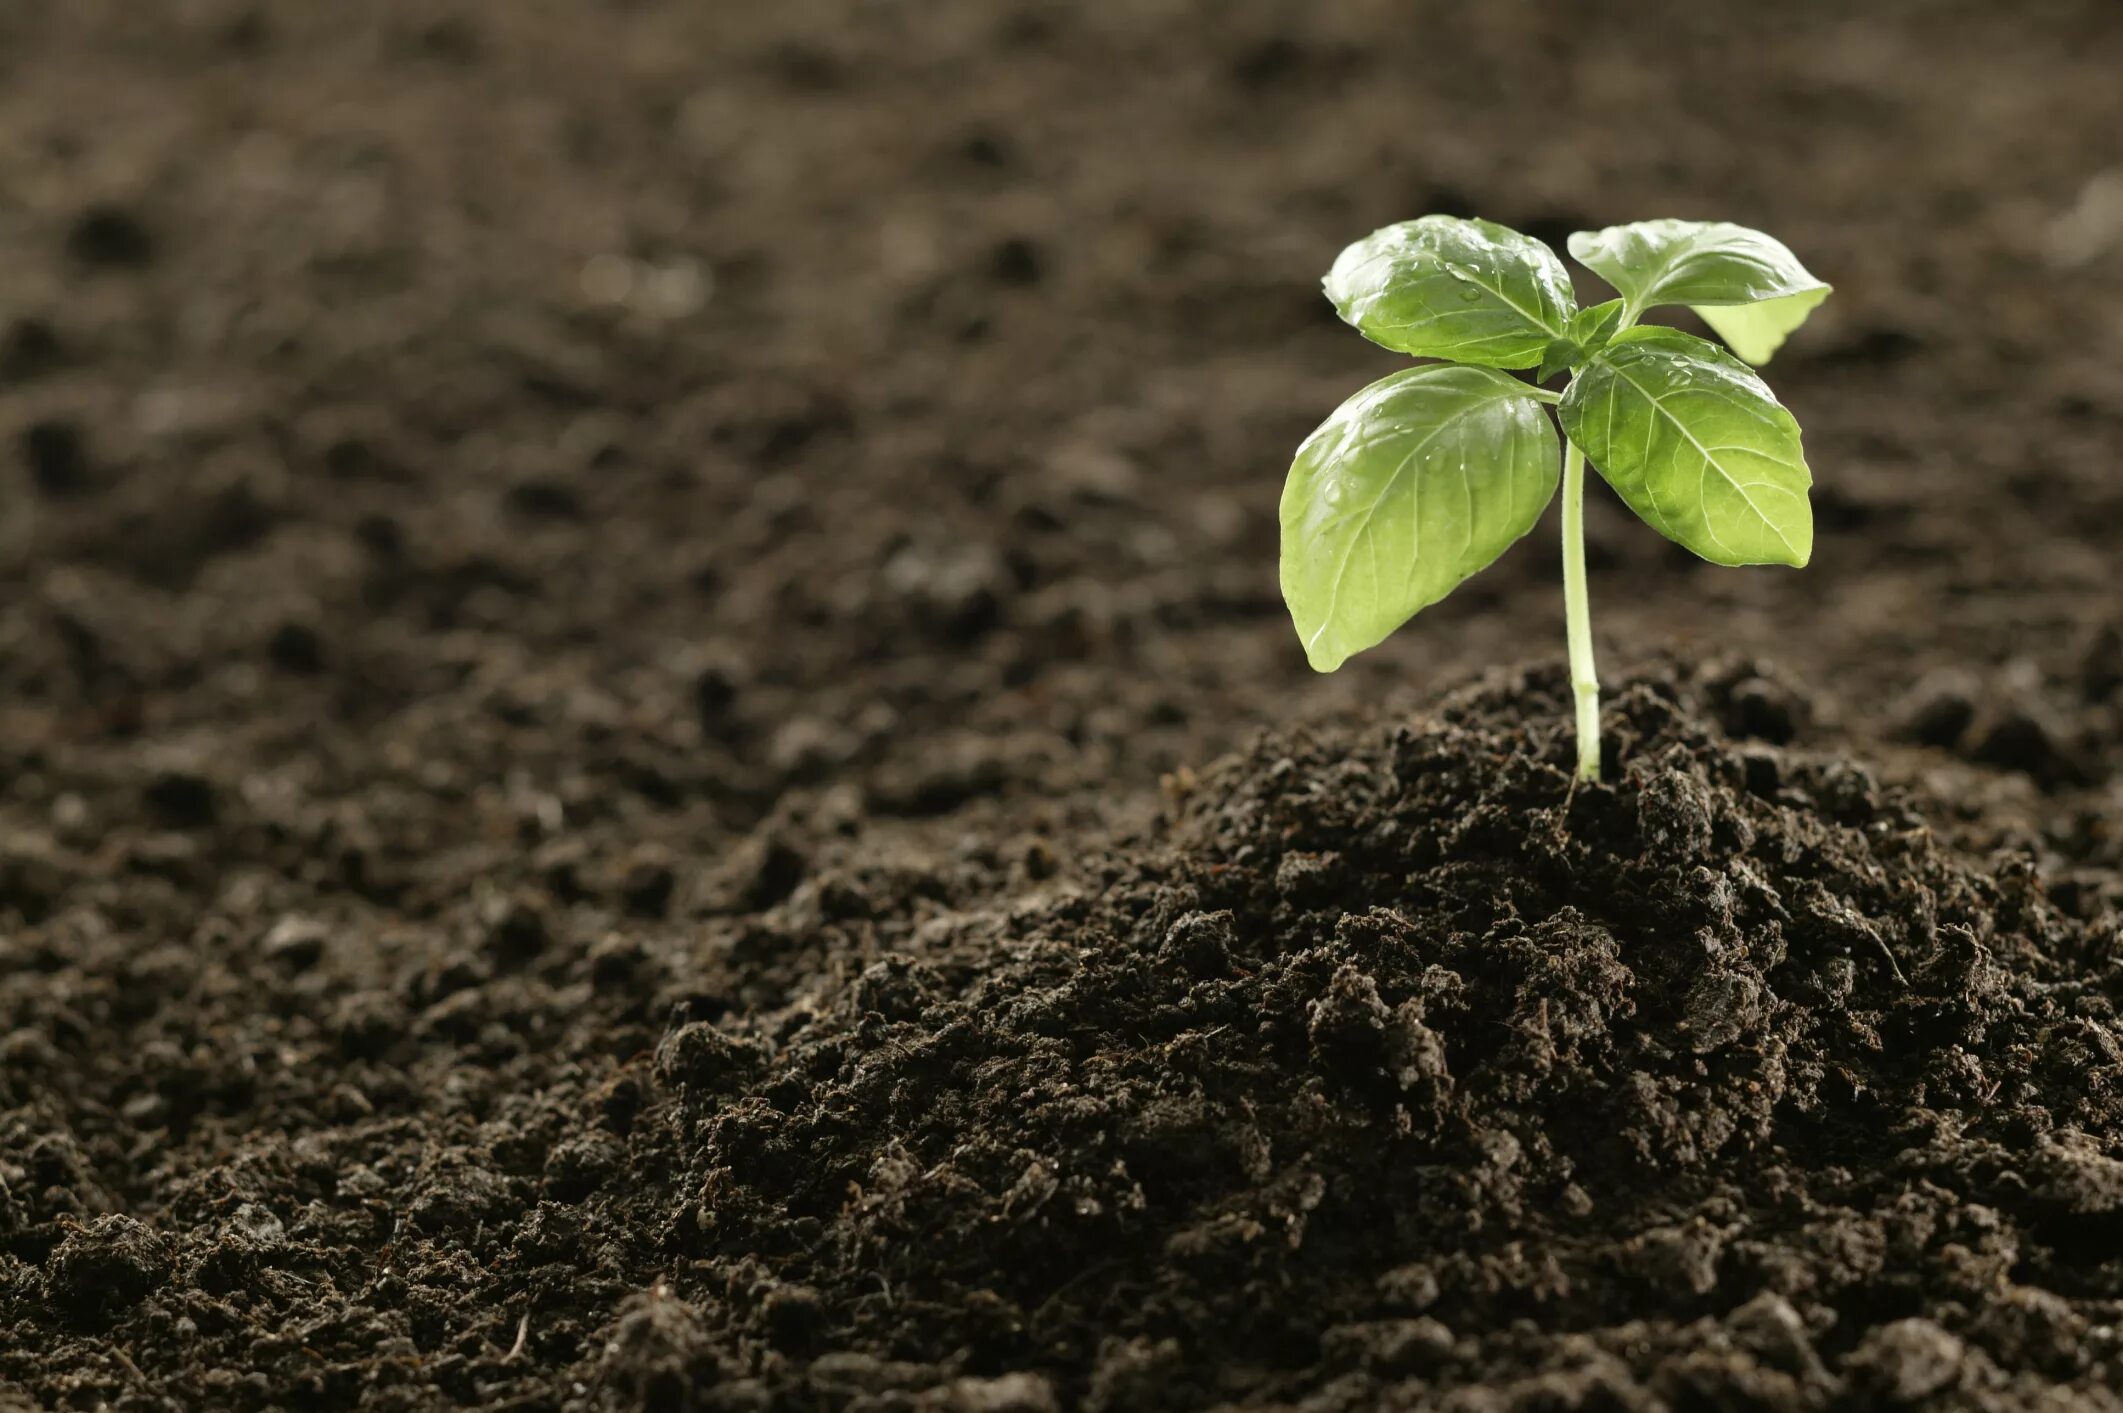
(1387,1069)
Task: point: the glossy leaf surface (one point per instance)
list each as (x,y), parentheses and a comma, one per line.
(1746,285)
(1696,444)
(1442,287)
(1413,484)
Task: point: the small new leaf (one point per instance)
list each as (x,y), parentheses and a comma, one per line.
(1746,285)
(1415,483)
(1592,326)
(1442,287)
(1586,334)
(1697,446)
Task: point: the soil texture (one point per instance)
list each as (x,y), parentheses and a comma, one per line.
(649,758)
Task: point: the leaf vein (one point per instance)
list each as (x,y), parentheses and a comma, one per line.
(1709,461)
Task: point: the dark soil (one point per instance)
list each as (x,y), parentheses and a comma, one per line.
(648,757)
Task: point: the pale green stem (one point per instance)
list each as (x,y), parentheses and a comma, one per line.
(1577,611)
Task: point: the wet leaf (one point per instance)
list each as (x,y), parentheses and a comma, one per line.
(1697,445)
(1415,483)
(1593,325)
(1443,287)
(1746,285)
(1587,333)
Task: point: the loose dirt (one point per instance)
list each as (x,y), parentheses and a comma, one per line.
(651,760)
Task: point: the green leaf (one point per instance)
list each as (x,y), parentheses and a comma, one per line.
(1558,356)
(1413,484)
(1757,331)
(1442,287)
(1592,326)
(1707,265)
(1696,444)
(1586,334)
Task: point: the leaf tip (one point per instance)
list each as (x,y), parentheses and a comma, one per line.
(1324,658)
(1797,549)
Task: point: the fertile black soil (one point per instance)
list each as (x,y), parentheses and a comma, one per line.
(648,756)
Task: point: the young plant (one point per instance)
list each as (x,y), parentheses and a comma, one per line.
(1427,476)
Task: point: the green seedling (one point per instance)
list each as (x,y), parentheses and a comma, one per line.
(1427,476)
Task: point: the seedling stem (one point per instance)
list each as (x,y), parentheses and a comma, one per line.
(1577,611)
